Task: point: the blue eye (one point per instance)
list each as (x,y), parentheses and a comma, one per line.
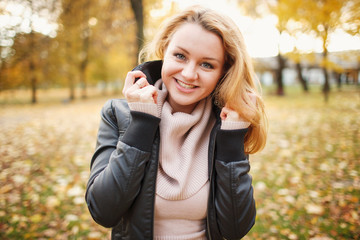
(207,65)
(179,56)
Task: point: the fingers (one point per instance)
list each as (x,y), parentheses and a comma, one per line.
(146,94)
(139,90)
(223,114)
(130,79)
(141,83)
(228,114)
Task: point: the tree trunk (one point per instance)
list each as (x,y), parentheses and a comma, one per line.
(301,78)
(33,81)
(137,7)
(279,77)
(338,80)
(83,79)
(71,87)
(2,74)
(68,73)
(326,87)
(85,51)
(357,80)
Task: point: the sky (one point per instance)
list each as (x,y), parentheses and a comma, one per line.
(262,37)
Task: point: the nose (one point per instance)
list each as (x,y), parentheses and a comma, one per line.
(189,72)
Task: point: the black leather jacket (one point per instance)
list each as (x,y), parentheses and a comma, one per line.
(121,189)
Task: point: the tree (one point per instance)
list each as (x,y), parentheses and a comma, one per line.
(351,23)
(85,42)
(95,41)
(6,40)
(113,42)
(138,10)
(323,17)
(68,38)
(297,57)
(98,40)
(141,10)
(28,46)
(75,35)
(284,10)
(351,17)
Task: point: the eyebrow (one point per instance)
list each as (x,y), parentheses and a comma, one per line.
(205,58)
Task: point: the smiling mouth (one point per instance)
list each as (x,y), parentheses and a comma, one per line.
(185,85)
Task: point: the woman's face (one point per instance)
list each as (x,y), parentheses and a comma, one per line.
(193,64)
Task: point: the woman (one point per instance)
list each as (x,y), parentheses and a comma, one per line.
(172,159)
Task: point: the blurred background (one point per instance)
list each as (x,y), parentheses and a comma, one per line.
(60,60)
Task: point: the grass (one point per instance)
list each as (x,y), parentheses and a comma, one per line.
(306,180)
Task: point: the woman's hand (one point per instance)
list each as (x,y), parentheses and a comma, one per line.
(228,114)
(139,91)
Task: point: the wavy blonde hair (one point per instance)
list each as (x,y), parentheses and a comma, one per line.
(239,79)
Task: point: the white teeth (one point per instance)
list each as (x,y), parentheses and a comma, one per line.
(184,85)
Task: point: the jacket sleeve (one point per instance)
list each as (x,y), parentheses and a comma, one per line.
(234,202)
(118,164)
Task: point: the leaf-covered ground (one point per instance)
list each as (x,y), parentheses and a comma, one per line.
(306,180)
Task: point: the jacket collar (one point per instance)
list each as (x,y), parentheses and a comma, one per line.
(151,69)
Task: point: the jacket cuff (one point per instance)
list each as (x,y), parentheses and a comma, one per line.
(230,145)
(141,131)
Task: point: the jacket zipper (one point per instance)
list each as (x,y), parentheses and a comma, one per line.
(212,143)
(154,188)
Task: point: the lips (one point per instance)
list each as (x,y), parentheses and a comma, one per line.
(185,85)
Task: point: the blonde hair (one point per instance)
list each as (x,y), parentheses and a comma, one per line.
(239,77)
